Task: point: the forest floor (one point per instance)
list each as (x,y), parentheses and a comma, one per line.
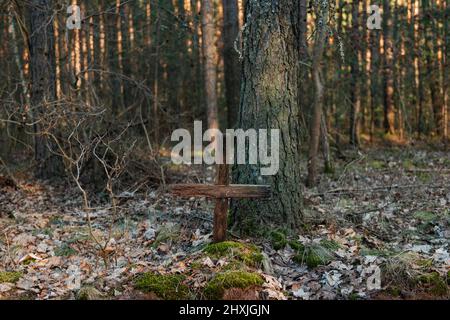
(378,228)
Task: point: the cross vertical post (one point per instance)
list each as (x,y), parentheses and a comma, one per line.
(222,204)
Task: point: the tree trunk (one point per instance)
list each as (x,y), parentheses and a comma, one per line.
(355,84)
(433,63)
(210,57)
(231,59)
(43,88)
(329,168)
(304,97)
(374,79)
(269,101)
(389,113)
(319,46)
(446,68)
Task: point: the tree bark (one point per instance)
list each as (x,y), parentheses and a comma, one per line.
(446,68)
(231,60)
(210,56)
(43,84)
(355,107)
(270,100)
(319,47)
(389,112)
(374,79)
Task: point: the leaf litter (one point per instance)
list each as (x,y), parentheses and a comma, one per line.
(384,219)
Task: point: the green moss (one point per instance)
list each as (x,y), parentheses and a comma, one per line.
(89,293)
(249,254)
(425,216)
(10,277)
(46,231)
(329,169)
(425,263)
(65,250)
(330,244)
(196,265)
(167,287)
(249,225)
(313,256)
(166,234)
(233,279)
(408,164)
(394,291)
(297,246)
(278,240)
(364,251)
(446,162)
(56,221)
(435,283)
(353,296)
(376,164)
(424,177)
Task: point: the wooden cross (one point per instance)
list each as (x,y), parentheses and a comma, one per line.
(222,191)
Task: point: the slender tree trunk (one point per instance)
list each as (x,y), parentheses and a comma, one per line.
(433,63)
(374,81)
(329,168)
(304,101)
(322,12)
(156,79)
(269,100)
(196,64)
(364,75)
(389,111)
(210,58)
(355,107)
(419,72)
(446,67)
(18,61)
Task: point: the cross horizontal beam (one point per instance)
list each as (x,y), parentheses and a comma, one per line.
(234,191)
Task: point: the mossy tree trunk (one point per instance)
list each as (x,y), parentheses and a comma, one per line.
(269,100)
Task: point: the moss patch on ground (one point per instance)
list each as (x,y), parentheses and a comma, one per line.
(434,283)
(425,216)
(89,293)
(167,287)
(314,255)
(9,277)
(215,288)
(246,253)
(278,239)
(377,164)
(65,250)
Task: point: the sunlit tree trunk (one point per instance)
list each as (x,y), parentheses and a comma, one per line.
(210,58)
(446,67)
(389,111)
